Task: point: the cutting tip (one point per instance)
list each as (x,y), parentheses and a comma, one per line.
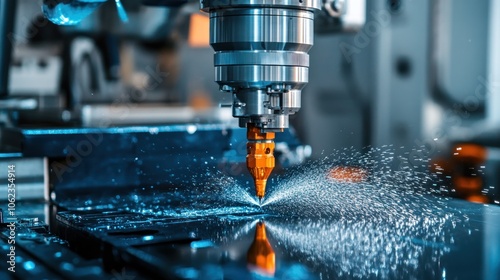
(260,201)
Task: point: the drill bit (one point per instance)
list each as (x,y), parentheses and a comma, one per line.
(260,158)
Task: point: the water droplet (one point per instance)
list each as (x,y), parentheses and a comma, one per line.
(153,130)
(29,265)
(191,129)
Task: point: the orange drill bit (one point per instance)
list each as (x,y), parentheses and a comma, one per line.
(260,157)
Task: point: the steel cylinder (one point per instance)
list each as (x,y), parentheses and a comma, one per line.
(261,55)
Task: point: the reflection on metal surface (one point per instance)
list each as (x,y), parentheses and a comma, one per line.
(349,249)
(261,258)
(387,236)
(387,227)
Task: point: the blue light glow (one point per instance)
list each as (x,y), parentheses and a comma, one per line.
(202,244)
(29,265)
(148,238)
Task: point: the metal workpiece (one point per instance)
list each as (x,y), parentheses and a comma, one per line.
(261,56)
(293,242)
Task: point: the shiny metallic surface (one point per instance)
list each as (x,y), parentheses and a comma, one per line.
(291,101)
(324,247)
(208,5)
(261,76)
(250,103)
(260,103)
(261,56)
(282,30)
(273,122)
(280,58)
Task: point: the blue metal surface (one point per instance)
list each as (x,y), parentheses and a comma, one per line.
(108,141)
(301,244)
(126,156)
(169,155)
